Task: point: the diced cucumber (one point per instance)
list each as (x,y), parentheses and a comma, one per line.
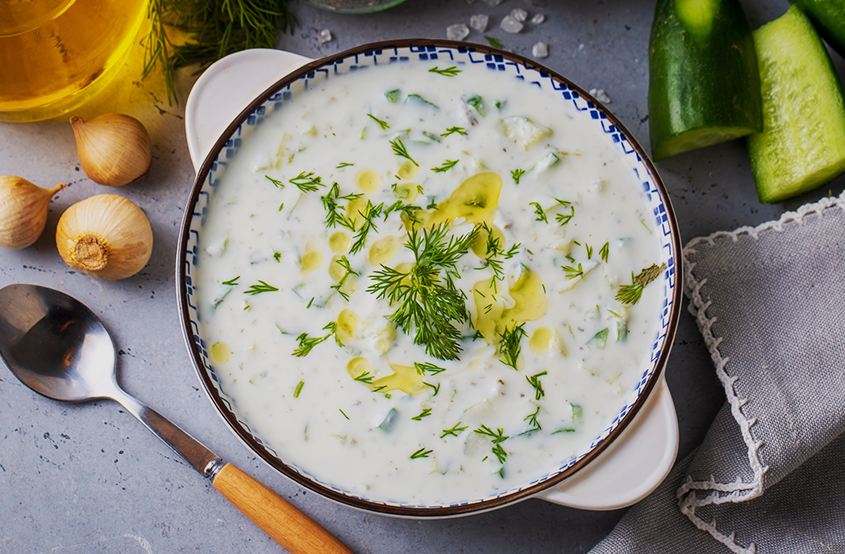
(802,146)
(704,86)
(828,16)
(522,131)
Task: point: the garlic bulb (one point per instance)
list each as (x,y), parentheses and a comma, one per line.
(113,149)
(23,211)
(106,236)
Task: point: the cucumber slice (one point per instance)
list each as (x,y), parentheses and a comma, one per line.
(803,144)
(828,16)
(704,86)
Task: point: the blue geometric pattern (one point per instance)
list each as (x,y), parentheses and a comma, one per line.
(534,75)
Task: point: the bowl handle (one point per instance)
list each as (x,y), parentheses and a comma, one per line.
(225,88)
(632,466)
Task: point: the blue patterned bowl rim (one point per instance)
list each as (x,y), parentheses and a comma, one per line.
(398,51)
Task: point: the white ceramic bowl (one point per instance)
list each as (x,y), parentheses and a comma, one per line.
(630,468)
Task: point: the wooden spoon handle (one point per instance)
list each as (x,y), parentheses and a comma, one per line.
(295,531)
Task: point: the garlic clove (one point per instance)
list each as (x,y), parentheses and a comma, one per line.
(114,149)
(105,236)
(23,211)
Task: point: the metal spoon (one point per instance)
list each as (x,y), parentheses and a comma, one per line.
(57,347)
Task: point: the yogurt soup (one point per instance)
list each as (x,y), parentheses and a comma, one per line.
(427,284)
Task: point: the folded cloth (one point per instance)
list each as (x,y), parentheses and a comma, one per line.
(770,474)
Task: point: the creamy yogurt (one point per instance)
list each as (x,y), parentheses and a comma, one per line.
(515,226)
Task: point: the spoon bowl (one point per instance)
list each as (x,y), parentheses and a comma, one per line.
(58,347)
(55,345)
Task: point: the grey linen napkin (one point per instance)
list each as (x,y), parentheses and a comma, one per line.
(770,474)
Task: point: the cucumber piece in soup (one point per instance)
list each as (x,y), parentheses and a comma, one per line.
(803,144)
(704,86)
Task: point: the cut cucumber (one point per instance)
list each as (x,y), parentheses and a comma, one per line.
(828,16)
(803,144)
(704,86)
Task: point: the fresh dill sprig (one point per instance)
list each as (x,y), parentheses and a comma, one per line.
(540,212)
(214,29)
(605,250)
(343,262)
(428,299)
(333,209)
(429,367)
(563,219)
(382,124)
(509,344)
(454,430)
(631,294)
(306,344)
(307,182)
(425,413)
(400,150)
(573,272)
(447,165)
(331,327)
(259,288)
(516,174)
(446,71)
(534,381)
(279,185)
(421,453)
(450,130)
(232,282)
(492,41)
(369,214)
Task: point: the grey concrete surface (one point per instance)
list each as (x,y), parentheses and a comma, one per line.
(90,479)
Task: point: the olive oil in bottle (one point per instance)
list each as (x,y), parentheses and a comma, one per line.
(56,54)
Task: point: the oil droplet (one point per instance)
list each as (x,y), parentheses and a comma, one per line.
(336,271)
(540,340)
(404,378)
(339,241)
(367,180)
(348,324)
(220,352)
(358,366)
(408,170)
(312,259)
(492,318)
(383,250)
(407,192)
(479,245)
(476,200)
(354,210)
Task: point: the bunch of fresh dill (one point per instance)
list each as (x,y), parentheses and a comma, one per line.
(214,29)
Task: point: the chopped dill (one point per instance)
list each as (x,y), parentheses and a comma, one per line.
(369,214)
(605,250)
(421,453)
(306,344)
(307,182)
(454,430)
(516,174)
(400,150)
(446,71)
(381,123)
(450,130)
(344,164)
(259,288)
(447,165)
(509,346)
(232,282)
(425,413)
(429,367)
(298,389)
(538,210)
(573,272)
(534,381)
(276,182)
(492,41)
